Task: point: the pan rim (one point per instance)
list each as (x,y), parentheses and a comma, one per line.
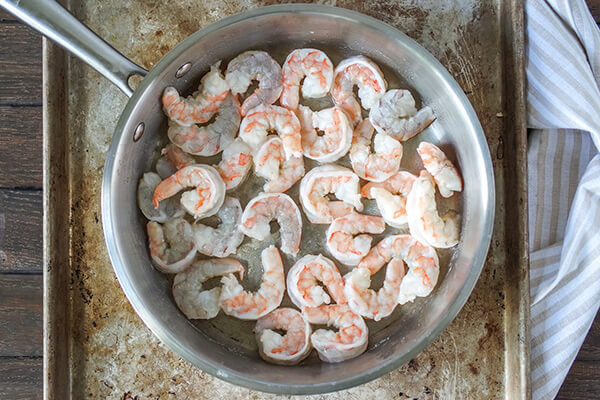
(231,376)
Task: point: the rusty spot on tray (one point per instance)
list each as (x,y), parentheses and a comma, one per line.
(474,370)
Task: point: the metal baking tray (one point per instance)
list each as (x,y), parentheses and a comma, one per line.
(95,346)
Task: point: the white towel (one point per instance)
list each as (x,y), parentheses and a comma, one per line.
(563,98)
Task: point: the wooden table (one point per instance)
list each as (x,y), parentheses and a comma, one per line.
(21,226)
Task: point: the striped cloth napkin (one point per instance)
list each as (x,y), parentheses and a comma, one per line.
(563,98)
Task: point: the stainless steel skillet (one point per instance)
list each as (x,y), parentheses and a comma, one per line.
(280,27)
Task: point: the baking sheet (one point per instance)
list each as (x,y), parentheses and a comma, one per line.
(97,347)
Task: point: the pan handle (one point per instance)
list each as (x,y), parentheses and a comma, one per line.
(53,21)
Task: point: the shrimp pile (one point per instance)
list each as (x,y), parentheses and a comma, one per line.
(243,157)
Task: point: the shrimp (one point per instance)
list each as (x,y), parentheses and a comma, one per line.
(188,293)
(383,163)
(225,239)
(202,105)
(177,157)
(337,133)
(172,246)
(268,206)
(390,196)
(443,171)
(342,242)
(235,163)
(364,73)
(318,183)
(424,222)
(421,259)
(271,164)
(167,210)
(261,120)
(314,67)
(254,65)
(235,301)
(395,114)
(368,302)
(303,278)
(349,341)
(290,348)
(207,197)
(210,139)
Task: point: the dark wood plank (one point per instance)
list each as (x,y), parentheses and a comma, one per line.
(582,383)
(6,17)
(21,378)
(21,315)
(21,147)
(594,6)
(20,65)
(20,230)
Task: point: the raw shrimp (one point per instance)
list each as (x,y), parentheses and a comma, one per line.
(319,182)
(424,222)
(421,259)
(443,171)
(349,341)
(261,120)
(368,302)
(342,242)
(235,301)
(207,197)
(188,293)
(265,207)
(382,164)
(208,140)
(314,67)
(254,65)
(168,209)
(303,282)
(236,162)
(364,73)
(225,239)
(200,106)
(390,196)
(270,163)
(177,157)
(337,133)
(395,114)
(172,246)
(290,348)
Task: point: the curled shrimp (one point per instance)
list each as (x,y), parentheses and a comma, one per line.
(390,196)
(167,210)
(265,207)
(368,302)
(191,298)
(207,196)
(202,105)
(208,140)
(323,180)
(224,239)
(237,302)
(337,133)
(280,172)
(443,171)
(303,282)
(364,73)
(421,259)
(255,65)
(424,222)
(290,348)
(380,165)
(261,120)
(172,246)
(314,67)
(395,114)
(347,237)
(235,163)
(349,341)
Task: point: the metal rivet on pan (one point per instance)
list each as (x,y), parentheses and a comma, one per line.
(139,131)
(183,70)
